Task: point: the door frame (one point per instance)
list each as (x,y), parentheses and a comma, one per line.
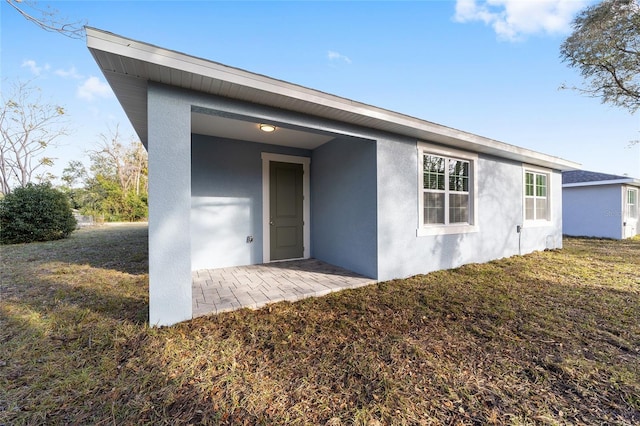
(267,158)
(630,224)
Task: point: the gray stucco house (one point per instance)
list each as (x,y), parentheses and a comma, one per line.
(370,190)
(600,205)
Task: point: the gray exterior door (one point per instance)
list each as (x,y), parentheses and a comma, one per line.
(285,210)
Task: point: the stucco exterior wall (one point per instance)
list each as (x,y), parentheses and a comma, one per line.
(593,211)
(169,149)
(364,202)
(226,201)
(343,205)
(536,237)
(226,183)
(402,253)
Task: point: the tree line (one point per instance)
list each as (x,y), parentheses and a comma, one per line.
(113,187)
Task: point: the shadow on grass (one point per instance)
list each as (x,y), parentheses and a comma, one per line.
(537,339)
(450,348)
(482,344)
(119,247)
(102,269)
(66,309)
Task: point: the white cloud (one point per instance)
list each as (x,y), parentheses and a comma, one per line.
(70,73)
(33,66)
(335,56)
(513,19)
(92,88)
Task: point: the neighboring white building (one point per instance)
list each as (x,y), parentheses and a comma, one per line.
(599,205)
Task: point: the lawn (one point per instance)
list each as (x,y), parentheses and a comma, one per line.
(547,338)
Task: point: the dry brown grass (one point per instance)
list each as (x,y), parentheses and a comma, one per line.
(547,338)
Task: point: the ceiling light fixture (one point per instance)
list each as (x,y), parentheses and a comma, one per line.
(268,128)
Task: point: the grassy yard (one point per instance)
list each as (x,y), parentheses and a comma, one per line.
(547,338)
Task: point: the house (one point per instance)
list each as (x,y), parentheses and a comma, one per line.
(599,205)
(246,169)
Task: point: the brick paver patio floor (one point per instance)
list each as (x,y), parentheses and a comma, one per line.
(253,286)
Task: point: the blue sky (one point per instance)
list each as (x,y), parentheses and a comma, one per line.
(490,68)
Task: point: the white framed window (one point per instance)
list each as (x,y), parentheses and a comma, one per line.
(632,203)
(446,191)
(537,195)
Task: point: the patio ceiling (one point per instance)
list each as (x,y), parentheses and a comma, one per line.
(249,130)
(128,66)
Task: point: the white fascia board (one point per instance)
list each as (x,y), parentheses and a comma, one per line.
(134,50)
(633,182)
(111,43)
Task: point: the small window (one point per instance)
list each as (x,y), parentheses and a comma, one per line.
(446,190)
(632,203)
(536,196)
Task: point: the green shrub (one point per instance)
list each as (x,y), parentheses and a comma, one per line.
(135,207)
(35,213)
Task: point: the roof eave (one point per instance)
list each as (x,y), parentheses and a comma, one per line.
(628,181)
(126,63)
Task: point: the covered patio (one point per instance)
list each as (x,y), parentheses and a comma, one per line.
(253,286)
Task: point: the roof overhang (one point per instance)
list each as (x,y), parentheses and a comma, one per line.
(628,181)
(128,65)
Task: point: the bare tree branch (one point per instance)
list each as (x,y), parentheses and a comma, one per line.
(126,163)
(28,127)
(47,19)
